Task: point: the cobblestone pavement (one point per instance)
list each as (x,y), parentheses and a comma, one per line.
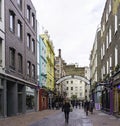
(56,118)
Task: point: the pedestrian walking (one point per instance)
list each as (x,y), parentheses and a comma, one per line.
(86,107)
(91,106)
(79,104)
(66,109)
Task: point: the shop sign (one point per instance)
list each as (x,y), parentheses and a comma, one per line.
(116,77)
(118,86)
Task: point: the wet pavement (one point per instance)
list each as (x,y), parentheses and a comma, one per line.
(56,118)
(76,118)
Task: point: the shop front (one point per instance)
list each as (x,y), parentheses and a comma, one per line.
(43,99)
(116,88)
(106,100)
(116,100)
(15,98)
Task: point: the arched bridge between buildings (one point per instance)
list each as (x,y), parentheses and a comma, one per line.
(73,77)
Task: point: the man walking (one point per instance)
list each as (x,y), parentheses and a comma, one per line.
(86,107)
(66,108)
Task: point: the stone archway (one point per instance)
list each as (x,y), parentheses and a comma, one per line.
(73,77)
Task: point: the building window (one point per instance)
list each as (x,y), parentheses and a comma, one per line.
(106,15)
(12,58)
(67,88)
(76,88)
(107,67)
(28,41)
(19,2)
(103,49)
(28,13)
(116,55)
(101,52)
(71,82)
(28,68)
(81,94)
(107,43)
(19,29)
(0,9)
(110,35)
(12,21)
(71,88)
(33,71)
(103,70)
(33,46)
(116,23)
(109,6)
(20,63)
(33,20)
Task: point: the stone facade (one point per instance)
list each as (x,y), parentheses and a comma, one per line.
(109,58)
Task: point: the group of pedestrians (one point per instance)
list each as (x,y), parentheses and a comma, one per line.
(67,106)
(88,106)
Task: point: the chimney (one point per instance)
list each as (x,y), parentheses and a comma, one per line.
(60,53)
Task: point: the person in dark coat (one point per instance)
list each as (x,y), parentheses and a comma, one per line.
(91,106)
(66,108)
(86,106)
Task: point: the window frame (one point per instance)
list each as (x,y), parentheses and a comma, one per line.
(12,58)
(19,30)
(33,21)
(28,13)
(33,71)
(33,46)
(28,40)
(12,21)
(19,3)
(28,68)
(20,63)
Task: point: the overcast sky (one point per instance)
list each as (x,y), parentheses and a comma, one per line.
(71,25)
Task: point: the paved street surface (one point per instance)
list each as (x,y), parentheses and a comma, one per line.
(77,118)
(56,118)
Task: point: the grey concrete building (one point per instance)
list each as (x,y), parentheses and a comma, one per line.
(18,72)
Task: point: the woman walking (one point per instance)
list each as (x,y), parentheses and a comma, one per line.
(66,108)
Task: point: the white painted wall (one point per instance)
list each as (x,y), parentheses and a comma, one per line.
(78,88)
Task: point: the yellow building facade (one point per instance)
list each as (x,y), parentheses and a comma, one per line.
(50,61)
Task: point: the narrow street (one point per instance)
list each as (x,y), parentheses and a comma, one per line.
(79,118)
(56,118)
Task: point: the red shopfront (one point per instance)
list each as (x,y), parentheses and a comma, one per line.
(43,99)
